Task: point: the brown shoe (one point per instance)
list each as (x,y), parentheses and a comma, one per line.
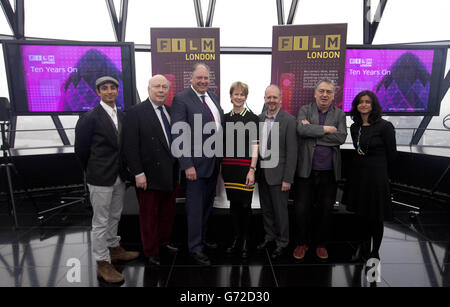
(107,271)
(300,251)
(120,254)
(322,252)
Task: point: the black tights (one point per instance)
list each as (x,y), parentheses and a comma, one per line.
(241,218)
(373,230)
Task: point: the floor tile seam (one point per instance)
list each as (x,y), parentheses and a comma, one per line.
(414,230)
(313,264)
(214,265)
(386,282)
(42,244)
(407,263)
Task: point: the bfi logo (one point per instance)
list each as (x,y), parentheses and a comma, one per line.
(44,59)
(304,42)
(185,45)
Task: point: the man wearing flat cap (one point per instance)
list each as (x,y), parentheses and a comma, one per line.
(97,145)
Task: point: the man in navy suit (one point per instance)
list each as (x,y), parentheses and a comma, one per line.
(146,147)
(198,107)
(97,145)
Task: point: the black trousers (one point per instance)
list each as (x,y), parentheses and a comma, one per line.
(314,199)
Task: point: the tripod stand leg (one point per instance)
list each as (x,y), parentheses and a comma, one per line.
(11,195)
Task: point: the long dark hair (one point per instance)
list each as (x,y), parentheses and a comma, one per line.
(374,116)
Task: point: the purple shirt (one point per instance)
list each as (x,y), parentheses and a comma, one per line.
(323,155)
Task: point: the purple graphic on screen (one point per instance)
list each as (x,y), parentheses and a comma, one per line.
(62,78)
(400,78)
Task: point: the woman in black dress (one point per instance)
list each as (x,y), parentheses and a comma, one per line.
(238,168)
(369,193)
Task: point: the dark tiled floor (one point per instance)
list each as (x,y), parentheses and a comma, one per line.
(414,252)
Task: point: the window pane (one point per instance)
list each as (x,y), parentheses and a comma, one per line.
(84,20)
(251,69)
(143,73)
(155,13)
(332,11)
(36,138)
(69,122)
(406,21)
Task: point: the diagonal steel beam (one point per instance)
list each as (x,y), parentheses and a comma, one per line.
(378,15)
(211,9)
(198,13)
(123,20)
(280,12)
(20,19)
(292,11)
(370,27)
(119,23)
(9,13)
(114,19)
(445,85)
(16,17)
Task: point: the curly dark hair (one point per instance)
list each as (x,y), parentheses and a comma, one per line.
(374,116)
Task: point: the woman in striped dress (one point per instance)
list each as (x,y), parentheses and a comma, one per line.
(239,165)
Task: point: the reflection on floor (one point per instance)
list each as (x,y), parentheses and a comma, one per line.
(415,252)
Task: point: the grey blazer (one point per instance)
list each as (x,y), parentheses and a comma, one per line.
(285,169)
(312,135)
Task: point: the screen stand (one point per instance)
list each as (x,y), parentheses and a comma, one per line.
(8,165)
(63,203)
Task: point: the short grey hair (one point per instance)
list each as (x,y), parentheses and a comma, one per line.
(325,80)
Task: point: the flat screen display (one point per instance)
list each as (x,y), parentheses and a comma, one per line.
(60,78)
(405,81)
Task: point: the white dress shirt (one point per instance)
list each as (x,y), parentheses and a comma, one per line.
(158,113)
(112,112)
(212,107)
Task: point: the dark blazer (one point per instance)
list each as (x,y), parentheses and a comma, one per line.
(145,147)
(287,159)
(97,146)
(185,105)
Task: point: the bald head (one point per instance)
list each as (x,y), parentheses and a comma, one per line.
(272,99)
(158,89)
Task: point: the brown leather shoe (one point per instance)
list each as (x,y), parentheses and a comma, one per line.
(108,273)
(120,254)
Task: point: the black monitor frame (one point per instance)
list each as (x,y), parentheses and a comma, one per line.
(437,75)
(16,81)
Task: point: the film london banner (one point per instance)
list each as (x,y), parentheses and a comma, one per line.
(176,50)
(304,54)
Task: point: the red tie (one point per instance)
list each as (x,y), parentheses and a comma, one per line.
(207,108)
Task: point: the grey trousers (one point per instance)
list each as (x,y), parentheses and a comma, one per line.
(274,205)
(107,204)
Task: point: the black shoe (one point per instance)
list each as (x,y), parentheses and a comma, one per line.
(233,247)
(171,248)
(210,245)
(154,260)
(279,251)
(263,245)
(200,258)
(244,250)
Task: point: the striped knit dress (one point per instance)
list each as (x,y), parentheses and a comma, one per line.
(235,167)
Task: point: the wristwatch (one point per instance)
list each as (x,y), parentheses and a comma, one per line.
(253,168)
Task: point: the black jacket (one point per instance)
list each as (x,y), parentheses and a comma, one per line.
(145,147)
(97,146)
